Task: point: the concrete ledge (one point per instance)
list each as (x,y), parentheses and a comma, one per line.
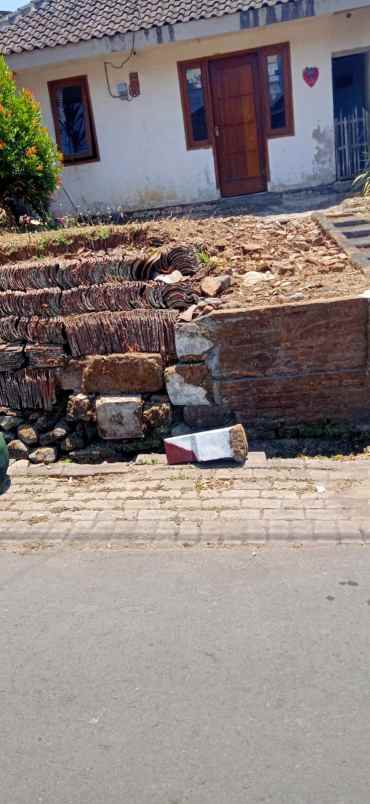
(329,224)
(152,460)
(157,463)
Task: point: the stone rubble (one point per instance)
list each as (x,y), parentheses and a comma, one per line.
(18,450)
(213,285)
(126,423)
(80,408)
(43,455)
(27,434)
(10,421)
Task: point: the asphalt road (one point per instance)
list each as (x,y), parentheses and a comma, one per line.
(202,676)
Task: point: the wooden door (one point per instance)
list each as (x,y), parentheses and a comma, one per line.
(238,133)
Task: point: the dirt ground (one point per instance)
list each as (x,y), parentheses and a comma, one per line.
(271,260)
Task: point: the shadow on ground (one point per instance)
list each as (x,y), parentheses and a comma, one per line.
(313,447)
(5,486)
(261,204)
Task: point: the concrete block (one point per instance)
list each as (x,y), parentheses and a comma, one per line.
(228,443)
(119,417)
(130,372)
(190,343)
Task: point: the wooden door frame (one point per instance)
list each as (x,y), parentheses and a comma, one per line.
(255,59)
(259,53)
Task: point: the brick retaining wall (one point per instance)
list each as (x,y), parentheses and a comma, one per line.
(301,362)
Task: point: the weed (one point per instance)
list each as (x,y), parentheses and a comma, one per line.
(41,247)
(203,257)
(103,232)
(180,476)
(200,485)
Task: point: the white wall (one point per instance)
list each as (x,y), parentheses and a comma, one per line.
(144,161)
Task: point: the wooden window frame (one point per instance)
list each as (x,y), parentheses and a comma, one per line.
(261,53)
(80,80)
(182,67)
(284,51)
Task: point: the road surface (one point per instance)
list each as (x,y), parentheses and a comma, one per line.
(185,676)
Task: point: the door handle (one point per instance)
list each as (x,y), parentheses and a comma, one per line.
(217,131)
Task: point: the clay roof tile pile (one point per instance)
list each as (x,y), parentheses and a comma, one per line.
(49,23)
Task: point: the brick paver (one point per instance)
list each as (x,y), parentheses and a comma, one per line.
(149,504)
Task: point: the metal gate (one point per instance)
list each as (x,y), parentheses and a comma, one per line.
(351,144)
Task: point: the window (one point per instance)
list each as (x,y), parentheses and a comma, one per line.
(194,93)
(275,84)
(73,120)
(277,91)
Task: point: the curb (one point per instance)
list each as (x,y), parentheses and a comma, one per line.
(38,545)
(153,462)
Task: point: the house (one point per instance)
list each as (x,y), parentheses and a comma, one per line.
(157,102)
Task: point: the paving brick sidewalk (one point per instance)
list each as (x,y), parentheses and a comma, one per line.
(133,504)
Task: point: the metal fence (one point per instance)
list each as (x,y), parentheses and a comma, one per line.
(351,143)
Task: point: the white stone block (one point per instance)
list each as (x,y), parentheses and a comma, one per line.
(119,417)
(189,384)
(182,393)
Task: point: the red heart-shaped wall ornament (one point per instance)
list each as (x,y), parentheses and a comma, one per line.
(311,75)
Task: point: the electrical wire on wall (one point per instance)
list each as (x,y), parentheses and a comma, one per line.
(119,67)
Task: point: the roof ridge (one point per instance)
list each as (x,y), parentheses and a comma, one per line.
(51,23)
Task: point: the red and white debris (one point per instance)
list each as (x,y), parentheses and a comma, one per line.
(227,443)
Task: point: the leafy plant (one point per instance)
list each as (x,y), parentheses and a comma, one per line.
(362,182)
(30,163)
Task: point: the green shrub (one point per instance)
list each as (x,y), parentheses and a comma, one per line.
(30,163)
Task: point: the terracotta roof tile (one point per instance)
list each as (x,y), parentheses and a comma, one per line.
(48,23)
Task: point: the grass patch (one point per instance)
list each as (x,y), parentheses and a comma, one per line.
(36,245)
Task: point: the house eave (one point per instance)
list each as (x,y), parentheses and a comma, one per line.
(285,11)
